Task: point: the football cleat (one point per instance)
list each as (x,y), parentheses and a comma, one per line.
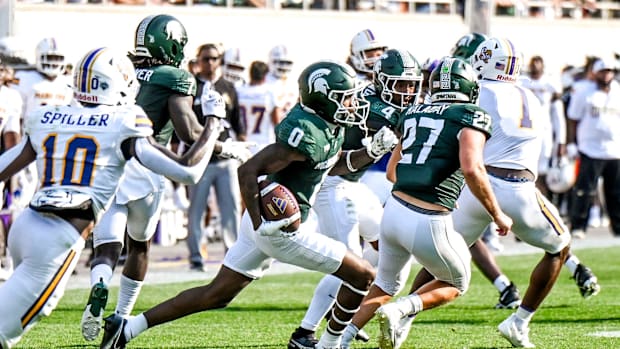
(517,336)
(586,281)
(302,339)
(509,298)
(394,326)
(93,314)
(113,332)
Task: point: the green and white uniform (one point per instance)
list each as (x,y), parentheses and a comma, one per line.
(137,204)
(320,142)
(429,171)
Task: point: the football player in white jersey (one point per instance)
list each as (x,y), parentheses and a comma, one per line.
(80,154)
(511,159)
(47,85)
(233,66)
(364,51)
(258,108)
(548,93)
(285,89)
(10,114)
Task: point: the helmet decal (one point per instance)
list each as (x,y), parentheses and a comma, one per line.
(141,32)
(444,74)
(175,31)
(317,82)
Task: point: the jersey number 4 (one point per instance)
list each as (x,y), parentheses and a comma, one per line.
(409,138)
(79,156)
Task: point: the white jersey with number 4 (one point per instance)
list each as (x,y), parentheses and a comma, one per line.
(80,148)
(518,123)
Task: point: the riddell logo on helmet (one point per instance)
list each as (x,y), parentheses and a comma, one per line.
(86,98)
(506,78)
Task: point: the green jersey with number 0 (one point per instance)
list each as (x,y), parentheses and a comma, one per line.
(157,84)
(429,169)
(319,142)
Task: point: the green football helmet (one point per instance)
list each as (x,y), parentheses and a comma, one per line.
(397,78)
(161,37)
(454,80)
(467,45)
(325,87)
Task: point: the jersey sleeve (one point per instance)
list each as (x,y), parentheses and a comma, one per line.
(135,123)
(178,80)
(475,117)
(11,118)
(300,135)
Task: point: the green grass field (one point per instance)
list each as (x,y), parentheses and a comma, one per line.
(265,314)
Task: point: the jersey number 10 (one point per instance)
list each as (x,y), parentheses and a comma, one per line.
(79,152)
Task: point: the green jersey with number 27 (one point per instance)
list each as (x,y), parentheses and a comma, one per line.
(319,142)
(429,169)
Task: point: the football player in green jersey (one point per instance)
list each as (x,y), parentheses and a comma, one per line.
(166,94)
(441,149)
(345,207)
(308,146)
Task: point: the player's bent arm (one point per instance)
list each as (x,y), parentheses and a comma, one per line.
(169,165)
(351,161)
(270,159)
(184,119)
(390,171)
(16,158)
(472,164)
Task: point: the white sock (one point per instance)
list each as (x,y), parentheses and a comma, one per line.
(322,302)
(135,325)
(501,282)
(408,305)
(329,340)
(571,263)
(128,295)
(349,334)
(101,272)
(524,315)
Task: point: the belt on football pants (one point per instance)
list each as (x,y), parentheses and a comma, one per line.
(418,209)
(510,175)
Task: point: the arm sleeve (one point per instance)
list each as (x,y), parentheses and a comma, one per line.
(151,158)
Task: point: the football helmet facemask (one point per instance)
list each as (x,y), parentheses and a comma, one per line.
(361,43)
(104,76)
(397,78)
(453,80)
(233,68)
(161,37)
(497,59)
(49,60)
(329,89)
(280,61)
(467,45)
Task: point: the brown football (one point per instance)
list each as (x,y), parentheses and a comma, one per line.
(278,202)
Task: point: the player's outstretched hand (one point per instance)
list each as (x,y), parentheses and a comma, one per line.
(236,150)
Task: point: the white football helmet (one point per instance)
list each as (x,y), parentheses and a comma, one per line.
(561,176)
(497,59)
(361,43)
(280,61)
(49,60)
(104,76)
(233,67)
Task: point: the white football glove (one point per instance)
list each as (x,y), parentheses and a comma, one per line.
(274,228)
(236,150)
(382,143)
(213,104)
(572,151)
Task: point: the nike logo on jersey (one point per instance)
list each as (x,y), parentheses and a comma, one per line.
(70,119)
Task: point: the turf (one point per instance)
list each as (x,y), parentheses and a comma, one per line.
(264,315)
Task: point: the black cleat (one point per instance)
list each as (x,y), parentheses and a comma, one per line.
(509,298)
(586,281)
(113,336)
(302,339)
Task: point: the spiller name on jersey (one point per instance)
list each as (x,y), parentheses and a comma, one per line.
(53,118)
